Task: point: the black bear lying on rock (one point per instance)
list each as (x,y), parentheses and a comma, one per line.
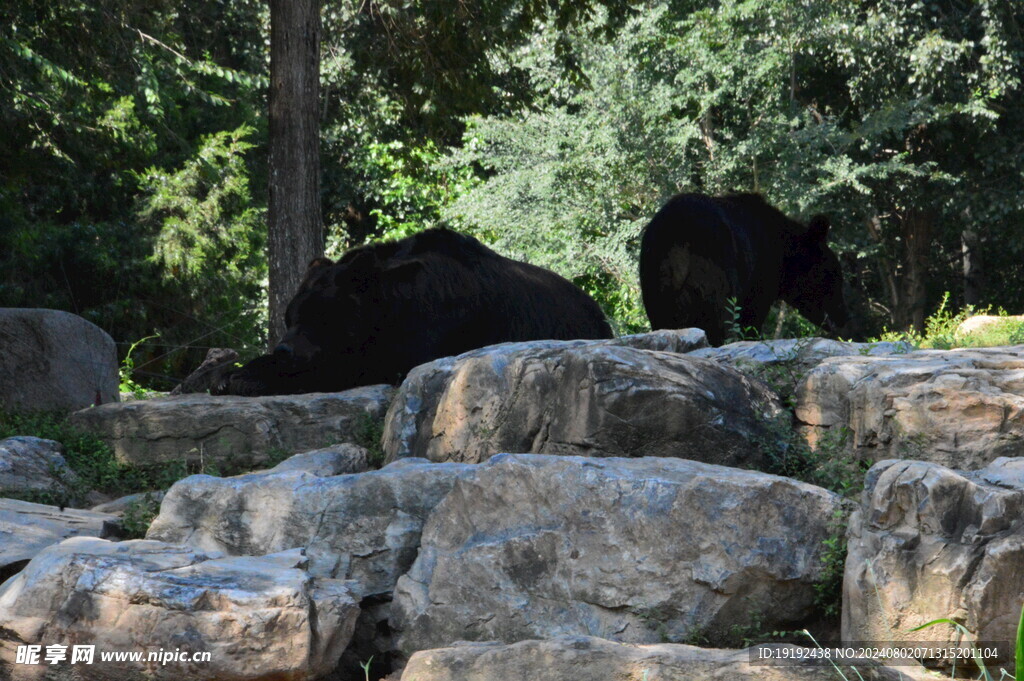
(699,251)
(383,309)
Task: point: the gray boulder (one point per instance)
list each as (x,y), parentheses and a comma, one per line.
(958,408)
(784,363)
(635,550)
(33,465)
(929,542)
(26,529)
(802,354)
(364,527)
(121,504)
(334,460)
(663,340)
(591,398)
(53,360)
(230,429)
(259,618)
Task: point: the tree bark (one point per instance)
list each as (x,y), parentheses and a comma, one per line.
(916,231)
(973,272)
(294,225)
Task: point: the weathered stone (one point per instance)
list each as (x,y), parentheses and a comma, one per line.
(800,354)
(31,464)
(229,429)
(636,550)
(959,408)
(258,618)
(53,360)
(663,340)
(26,529)
(335,460)
(364,527)
(120,505)
(928,543)
(209,374)
(584,658)
(578,397)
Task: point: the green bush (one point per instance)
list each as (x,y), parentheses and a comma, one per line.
(92,461)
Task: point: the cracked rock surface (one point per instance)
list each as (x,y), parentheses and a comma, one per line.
(27,528)
(583,658)
(588,398)
(364,527)
(636,550)
(958,408)
(929,542)
(262,618)
(231,428)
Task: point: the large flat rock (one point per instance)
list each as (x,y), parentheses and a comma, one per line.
(588,398)
(26,529)
(229,428)
(636,550)
(54,360)
(958,408)
(364,527)
(585,658)
(929,542)
(259,618)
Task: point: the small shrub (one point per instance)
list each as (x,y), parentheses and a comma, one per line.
(369,433)
(94,463)
(138,516)
(734,331)
(127,382)
(829,587)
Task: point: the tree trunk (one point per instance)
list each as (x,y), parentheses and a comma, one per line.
(973,272)
(917,232)
(295,230)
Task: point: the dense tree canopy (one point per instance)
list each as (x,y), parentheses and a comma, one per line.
(133,181)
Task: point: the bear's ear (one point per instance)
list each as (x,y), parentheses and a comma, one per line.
(313,270)
(817,229)
(317,263)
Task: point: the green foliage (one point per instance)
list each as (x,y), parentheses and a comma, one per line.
(786,322)
(134,133)
(138,516)
(91,96)
(408,187)
(734,330)
(1018,656)
(365,666)
(827,464)
(965,635)
(942,330)
(94,464)
(127,383)
(369,434)
(208,229)
(828,590)
(886,116)
(570,183)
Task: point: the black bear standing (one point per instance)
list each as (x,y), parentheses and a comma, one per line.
(385,308)
(699,251)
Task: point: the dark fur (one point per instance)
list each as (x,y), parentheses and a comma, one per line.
(385,308)
(699,251)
